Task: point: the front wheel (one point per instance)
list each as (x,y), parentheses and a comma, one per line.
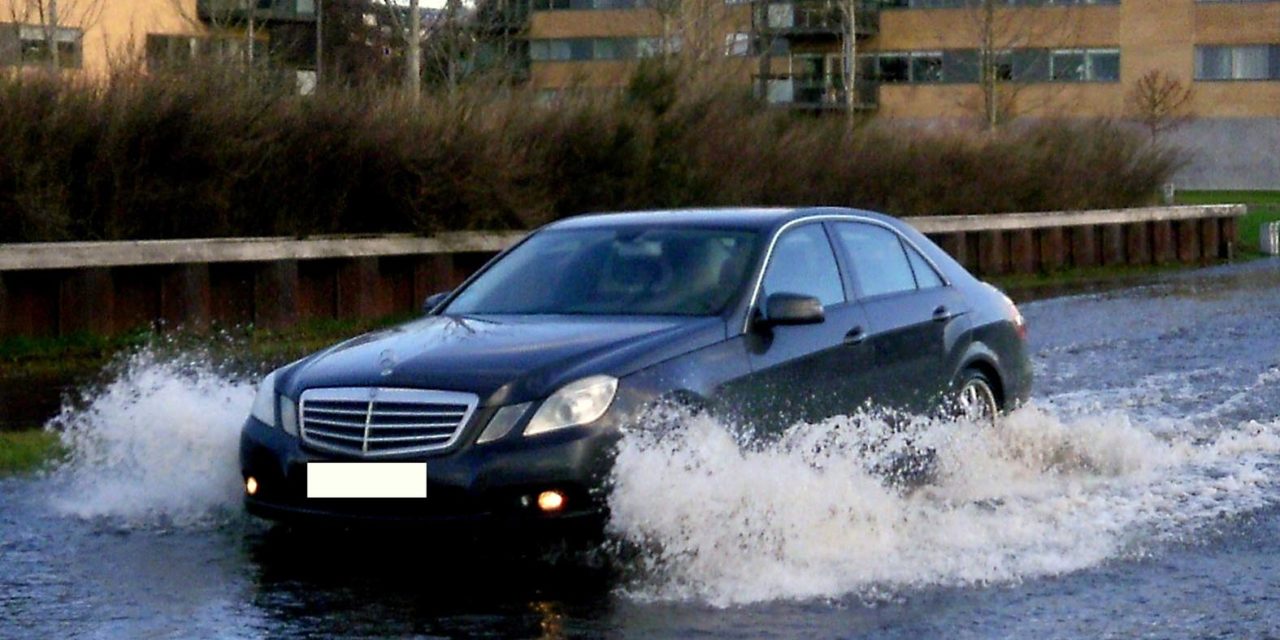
(976,402)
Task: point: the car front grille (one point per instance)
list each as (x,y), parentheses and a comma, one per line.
(370,422)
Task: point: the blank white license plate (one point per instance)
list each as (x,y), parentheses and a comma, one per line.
(366,480)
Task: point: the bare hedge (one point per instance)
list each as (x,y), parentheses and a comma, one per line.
(169,157)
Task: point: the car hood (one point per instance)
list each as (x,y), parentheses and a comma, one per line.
(503,359)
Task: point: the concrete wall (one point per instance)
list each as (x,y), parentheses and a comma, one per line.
(1230,153)
(108,288)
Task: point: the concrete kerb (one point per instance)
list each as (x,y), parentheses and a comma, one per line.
(80,255)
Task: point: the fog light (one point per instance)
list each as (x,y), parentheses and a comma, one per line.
(251,486)
(549,501)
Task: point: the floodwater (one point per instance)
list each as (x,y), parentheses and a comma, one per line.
(1138,496)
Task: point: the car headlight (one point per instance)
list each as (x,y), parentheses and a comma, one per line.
(576,403)
(264,404)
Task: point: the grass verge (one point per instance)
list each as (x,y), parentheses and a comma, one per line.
(1264,207)
(25,357)
(1033,286)
(26,451)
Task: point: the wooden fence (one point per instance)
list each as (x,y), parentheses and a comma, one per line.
(108,288)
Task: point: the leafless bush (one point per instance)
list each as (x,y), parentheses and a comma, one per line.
(219,154)
(1160,102)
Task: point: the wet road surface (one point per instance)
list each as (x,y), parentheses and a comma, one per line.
(1137,497)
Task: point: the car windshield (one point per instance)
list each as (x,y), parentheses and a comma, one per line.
(664,271)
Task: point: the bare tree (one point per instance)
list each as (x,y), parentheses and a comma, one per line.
(357,45)
(847,19)
(689,30)
(997,31)
(698,40)
(848,11)
(1160,102)
(440,33)
(413,54)
(225,21)
(459,42)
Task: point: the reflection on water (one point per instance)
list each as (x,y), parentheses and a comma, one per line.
(338,583)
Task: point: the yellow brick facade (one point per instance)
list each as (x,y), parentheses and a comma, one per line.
(709,21)
(114,31)
(1149,34)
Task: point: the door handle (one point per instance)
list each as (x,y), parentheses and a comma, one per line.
(855,336)
(941,314)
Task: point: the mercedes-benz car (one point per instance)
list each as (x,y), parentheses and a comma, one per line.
(504,402)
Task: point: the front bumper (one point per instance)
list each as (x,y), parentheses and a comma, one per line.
(469,487)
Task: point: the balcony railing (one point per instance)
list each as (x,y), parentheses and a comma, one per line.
(819,18)
(502,15)
(820,93)
(233,11)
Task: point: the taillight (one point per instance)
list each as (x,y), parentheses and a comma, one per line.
(1015,316)
(1019,322)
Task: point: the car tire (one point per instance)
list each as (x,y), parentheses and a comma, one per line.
(975,399)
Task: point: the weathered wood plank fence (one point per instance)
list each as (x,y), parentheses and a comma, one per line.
(60,289)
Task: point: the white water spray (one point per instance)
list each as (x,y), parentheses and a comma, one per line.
(159,442)
(809,517)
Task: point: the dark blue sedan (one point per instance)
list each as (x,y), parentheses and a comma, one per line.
(504,403)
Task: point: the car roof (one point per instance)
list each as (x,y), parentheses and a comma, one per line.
(727,217)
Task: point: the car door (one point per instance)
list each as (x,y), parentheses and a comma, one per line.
(914,318)
(804,372)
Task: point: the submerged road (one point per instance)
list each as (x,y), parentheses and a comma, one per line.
(1139,496)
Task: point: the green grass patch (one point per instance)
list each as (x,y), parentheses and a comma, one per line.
(1031,286)
(25,451)
(23,356)
(1264,207)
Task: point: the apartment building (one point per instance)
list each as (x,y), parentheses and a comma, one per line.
(923,57)
(933,60)
(87,38)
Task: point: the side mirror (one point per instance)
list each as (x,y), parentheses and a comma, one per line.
(434,301)
(792,309)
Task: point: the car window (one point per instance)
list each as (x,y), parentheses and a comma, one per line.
(803,263)
(625,271)
(880,264)
(926,276)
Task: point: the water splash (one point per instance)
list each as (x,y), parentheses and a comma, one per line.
(1060,486)
(157,443)
(810,516)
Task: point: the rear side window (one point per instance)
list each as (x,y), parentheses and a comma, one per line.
(880,262)
(803,263)
(926,276)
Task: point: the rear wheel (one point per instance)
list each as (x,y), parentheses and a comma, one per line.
(976,401)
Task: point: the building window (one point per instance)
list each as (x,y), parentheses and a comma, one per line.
(166,51)
(894,68)
(29,44)
(583,49)
(1083,65)
(926,67)
(955,4)
(965,66)
(584,5)
(1248,62)
(737,44)
(1067,66)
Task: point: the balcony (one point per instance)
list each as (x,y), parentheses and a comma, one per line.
(819,93)
(501,16)
(236,11)
(816,19)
